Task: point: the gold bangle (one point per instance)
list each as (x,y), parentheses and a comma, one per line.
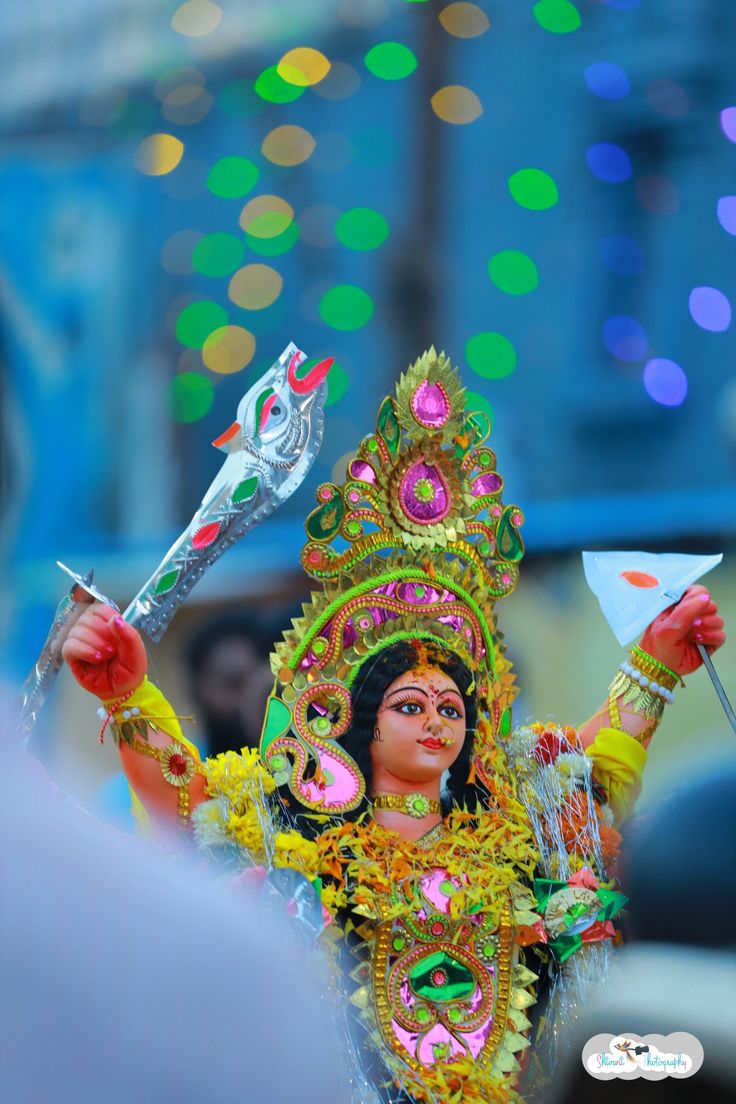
(641,699)
(413,804)
(653,669)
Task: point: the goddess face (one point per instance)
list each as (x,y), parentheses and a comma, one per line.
(420,726)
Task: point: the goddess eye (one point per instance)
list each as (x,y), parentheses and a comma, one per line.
(410,707)
(450,711)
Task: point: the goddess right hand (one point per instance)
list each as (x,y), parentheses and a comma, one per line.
(105,654)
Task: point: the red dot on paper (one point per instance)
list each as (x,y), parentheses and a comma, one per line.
(640,578)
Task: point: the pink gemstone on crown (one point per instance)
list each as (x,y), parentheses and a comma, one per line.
(359,469)
(430,405)
(486,484)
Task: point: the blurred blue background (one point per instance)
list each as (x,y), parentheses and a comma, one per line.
(588,302)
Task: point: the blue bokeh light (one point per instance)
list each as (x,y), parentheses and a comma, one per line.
(665,382)
(622,255)
(625,338)
(606,80)
(609,162)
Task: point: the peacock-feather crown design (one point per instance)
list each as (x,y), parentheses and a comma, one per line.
(415,544)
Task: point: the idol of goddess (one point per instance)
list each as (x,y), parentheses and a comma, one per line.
(463,869)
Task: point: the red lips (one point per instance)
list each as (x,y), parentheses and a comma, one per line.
(432,742)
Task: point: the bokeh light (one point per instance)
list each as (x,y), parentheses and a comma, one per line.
(333,153)
(228,349)
(464,20)
(338,382)
(513,272)
(727,213)
(341,81)
(622,255)
(609,162)
(665,381)
(255,286)
(728,123)
(390,61)
(196,18)
(456,104)
(218,254)
(606,80)
(275,246)
(490,355)
(474,400)
(668,98)
(288,145)
(362,228)
(533,189)
(187,104)
(177,252)
(710,309)
(271,86)
(232,177)
(266,216)
(158,154)
(346,307)
(172,79)
(196,322)
(190,397)
(625,338)
(658,195)
(557,16)
(303,66)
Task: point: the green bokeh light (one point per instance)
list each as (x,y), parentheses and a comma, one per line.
(232,177)
(475,401)
(274,247)
(197,321)
(346,307)
(238,100)
(513,272)
(390,61)
(190,397)
(533,189)
(491,355)
(362,228)
(337,384)
(218,254)
(271,86)
(557,16)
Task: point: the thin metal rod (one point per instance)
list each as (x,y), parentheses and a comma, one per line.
(728,709)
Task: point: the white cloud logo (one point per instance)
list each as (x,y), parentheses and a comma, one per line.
(653,1057)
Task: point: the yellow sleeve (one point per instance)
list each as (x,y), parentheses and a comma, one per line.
(618,765)
(151,705)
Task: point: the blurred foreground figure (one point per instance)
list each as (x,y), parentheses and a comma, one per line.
(458,867)
(107,993)
(680,974)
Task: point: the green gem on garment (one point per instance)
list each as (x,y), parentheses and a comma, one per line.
(508,540)
(424,490)
(439,977)
(244,490)
(278,763)
(484,548)
(454,1014)
(422,1015)
(277,721)
(321,726)
(505,726)
(388,425)
(420,591)
(447,889)
(489,948)
(166,582)
(399,943)
(353,528)
(319,646)
(372,445)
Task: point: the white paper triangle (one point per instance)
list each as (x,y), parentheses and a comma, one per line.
(633,587)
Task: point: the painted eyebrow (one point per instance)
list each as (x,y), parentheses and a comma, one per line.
(401,689)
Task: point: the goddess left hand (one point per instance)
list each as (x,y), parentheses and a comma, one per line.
(672,638)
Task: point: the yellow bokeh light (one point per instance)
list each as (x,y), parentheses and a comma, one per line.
(456,104)
(255,286)
(158,154)
(196,18)
(303,66)
(266,216)
(464,20)
(288,145)
(228,349)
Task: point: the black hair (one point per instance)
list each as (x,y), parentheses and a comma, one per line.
(371,683)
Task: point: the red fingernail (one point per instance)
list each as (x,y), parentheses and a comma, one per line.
(697,621)
(98,655)
(698,638)
(119,621)
(705,597)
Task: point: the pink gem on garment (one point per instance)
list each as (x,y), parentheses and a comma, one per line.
(430,405)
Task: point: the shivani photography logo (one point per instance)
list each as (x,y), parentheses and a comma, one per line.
(653,1057)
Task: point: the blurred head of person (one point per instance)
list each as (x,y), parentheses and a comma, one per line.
(230,676)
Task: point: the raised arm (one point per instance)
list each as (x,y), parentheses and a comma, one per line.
(617,736)
(107,657)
